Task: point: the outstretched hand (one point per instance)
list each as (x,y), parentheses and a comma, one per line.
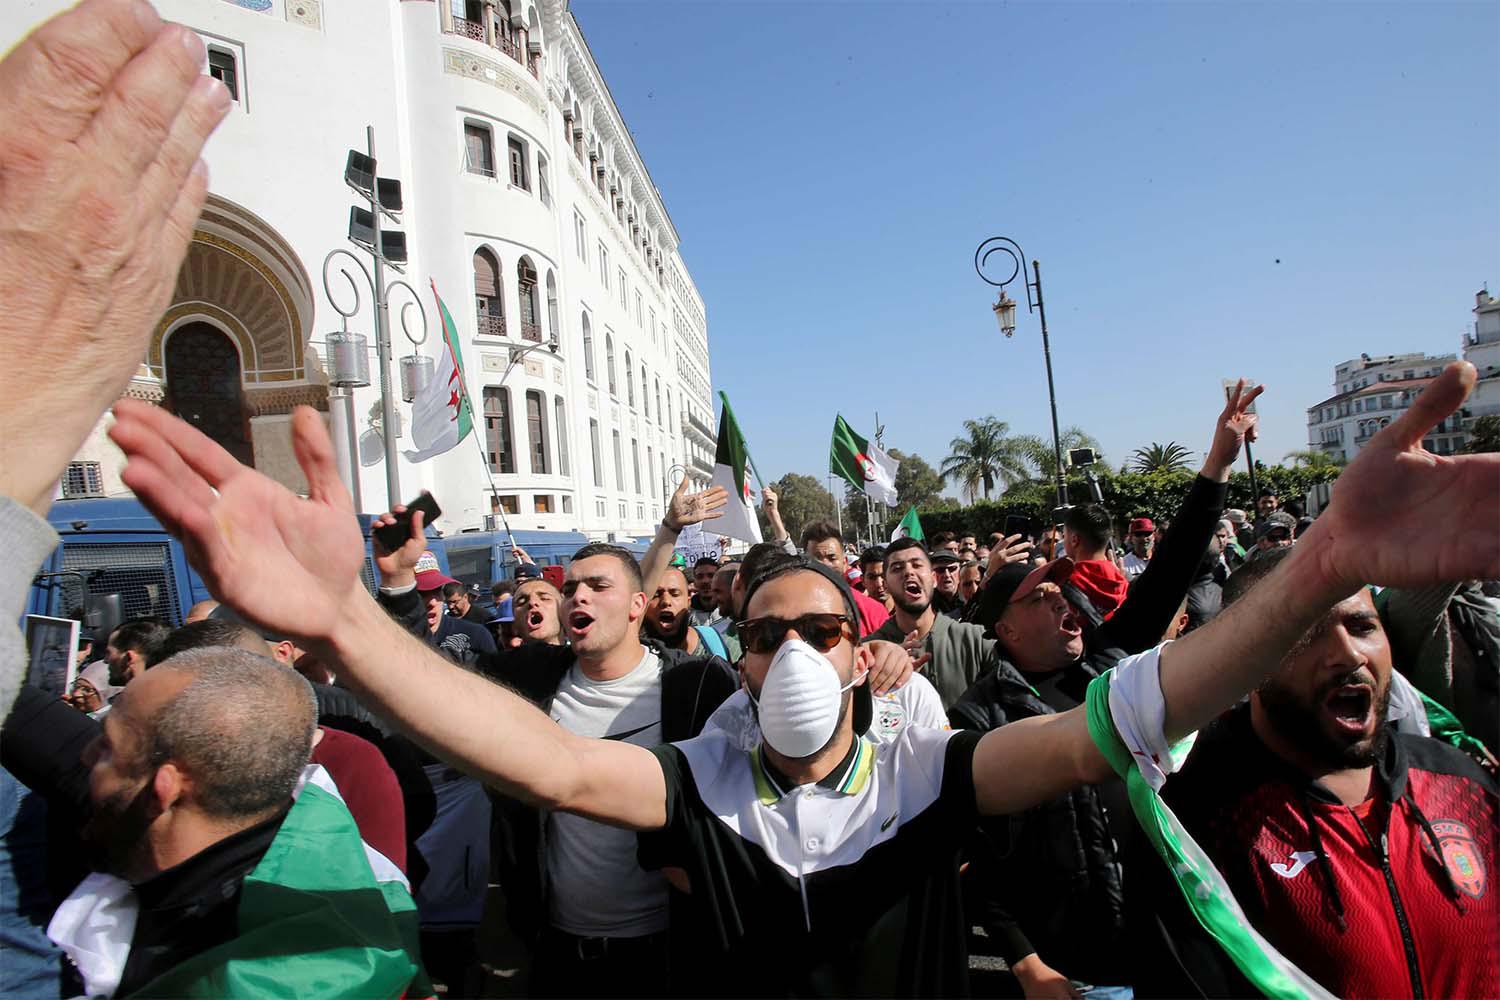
(281,561)
(693,508)
(398,568)
(1235,426)
(104,111)
(1404,517)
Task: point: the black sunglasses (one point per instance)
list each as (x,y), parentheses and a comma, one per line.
(821,631)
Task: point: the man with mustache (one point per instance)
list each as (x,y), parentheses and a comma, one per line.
(1365,855)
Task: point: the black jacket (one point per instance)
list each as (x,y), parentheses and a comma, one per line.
(1049,880)
(692,687)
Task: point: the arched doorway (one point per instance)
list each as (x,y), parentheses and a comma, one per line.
(203,386)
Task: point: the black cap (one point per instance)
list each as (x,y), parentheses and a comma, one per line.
(1012,582)
(943,557)
(528,571)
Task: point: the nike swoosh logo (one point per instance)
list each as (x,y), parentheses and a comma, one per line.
(1300,859)
(631,732)
(887,824)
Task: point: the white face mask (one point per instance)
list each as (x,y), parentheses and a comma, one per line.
(800,700)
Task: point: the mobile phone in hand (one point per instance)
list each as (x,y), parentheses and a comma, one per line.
(1017,524)
(392,536)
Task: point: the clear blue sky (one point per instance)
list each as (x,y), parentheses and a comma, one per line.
(1212,190)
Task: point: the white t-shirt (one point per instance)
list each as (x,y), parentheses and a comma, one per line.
(916,703)
(1134,565)
(597,887)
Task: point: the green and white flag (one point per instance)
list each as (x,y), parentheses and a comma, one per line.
(732,467)
(1119,723)
(440,415)
(861,464)
(910,527)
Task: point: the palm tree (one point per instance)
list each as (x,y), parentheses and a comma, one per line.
(1040,454)
(1169,457)
(1314,459)
(987,453)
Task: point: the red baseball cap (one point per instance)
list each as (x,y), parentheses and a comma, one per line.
(429,575)
(1141,525)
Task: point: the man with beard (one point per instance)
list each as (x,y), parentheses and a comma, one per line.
(225,858)
(723,592)
(461,605)
(1142,540)
(131,646)
(1362,854)
(535,606)
(970,576)
(704,611)
(668,619)
(953,653)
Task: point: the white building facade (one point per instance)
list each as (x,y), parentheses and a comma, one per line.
(1482,350)
(526,203)
(1369,392)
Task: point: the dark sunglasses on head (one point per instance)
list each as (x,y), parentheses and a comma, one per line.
(947,568)
(821,631)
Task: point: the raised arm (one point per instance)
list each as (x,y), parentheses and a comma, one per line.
(1400,516)
(293,565)
(1154,598)
(684,509)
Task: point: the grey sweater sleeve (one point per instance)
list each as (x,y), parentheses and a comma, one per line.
(28,540)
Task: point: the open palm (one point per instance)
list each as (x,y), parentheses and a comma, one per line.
(281,561)
(1404,517)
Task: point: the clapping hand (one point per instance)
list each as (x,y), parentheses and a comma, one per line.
(1404,517)
(693,508)
(283,562)
(104,111)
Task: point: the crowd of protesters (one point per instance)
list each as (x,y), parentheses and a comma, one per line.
(1237,754)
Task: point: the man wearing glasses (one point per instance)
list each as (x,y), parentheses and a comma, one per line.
(1142,539)
(818,864)
(945,569)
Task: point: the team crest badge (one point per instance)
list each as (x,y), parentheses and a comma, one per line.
(890,717)
(1461,856)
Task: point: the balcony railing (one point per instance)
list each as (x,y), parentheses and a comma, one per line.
(469,29)
(531,332)
(489,325)
(475,30)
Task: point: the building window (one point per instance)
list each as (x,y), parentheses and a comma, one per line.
(638,303)
(658,402)
(588,350)
(518,174)
(221,66)
(624,515)
(560,428)
(553,334)
(609,361)
(619,463)
(510,503)
(635,462)
(526,289)
(624,298)
(650,467)
(82,479)
(629,381)
(489,303)
(543,188)
(502,456)
(536,431)
(645,400)
(479,150)
(603,265)
(599,507)
(542,503)
(581,236)
(598,461)
(567,503)
(652,327)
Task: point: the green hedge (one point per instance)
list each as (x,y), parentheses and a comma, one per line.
(1155,495)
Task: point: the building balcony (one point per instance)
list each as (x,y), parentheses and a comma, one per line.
(528,56)
(531,332)
(489,325)
(701,465)
(694,425)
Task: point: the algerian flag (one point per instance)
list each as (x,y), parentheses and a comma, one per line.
(732,471)
(861,464)
(910,526)
(440,415)
(1125,707)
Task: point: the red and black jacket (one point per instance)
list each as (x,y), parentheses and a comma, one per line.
(1394,898)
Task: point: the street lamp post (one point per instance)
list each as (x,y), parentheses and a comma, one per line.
(667,488)
(1005,315)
